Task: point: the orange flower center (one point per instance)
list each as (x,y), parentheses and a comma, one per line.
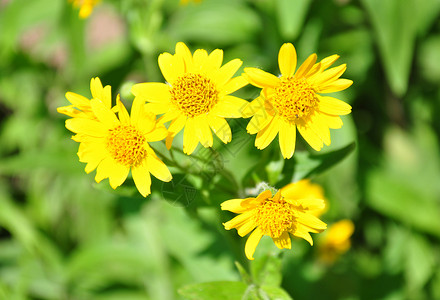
(275,217)
(194,94)
(126,145)
(294,98)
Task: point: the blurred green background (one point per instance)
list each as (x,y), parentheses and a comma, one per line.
(62,236)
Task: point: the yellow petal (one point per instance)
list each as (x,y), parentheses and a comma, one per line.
(258,122)
(177,124)
(159,133)
(266,136)
(104,169)
(158,169)
(142,179)
(185,55)
(245,228)
(215,59)
(170,115)
(318,125)
(310,220)
(287,60)
(137,111)
(200,58)
(171,66)
(252,243)
(328,76)
(287,138)
(122,112)
(118,174)
(310,136)
(239,220)
(306,66)
(146,123)
(203,131)
(87,126)
(229,107)
(158,108)
(333,106)
(234,205)
(336,86)
(190,139)
(324,64)
(226,72)
(77,100)
(96,88)
(254,107)
(152,92)
(234,84)
(332,121)
(260,78)
(283,242)
(104,114)
(301,233)
(220,128)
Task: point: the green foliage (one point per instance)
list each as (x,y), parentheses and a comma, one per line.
(63,236)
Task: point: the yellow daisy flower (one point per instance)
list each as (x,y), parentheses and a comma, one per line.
(80,105)
(294,100)
(85,7)
(336,241)
(275,216)
(305,189)
(113,145)
(196,97)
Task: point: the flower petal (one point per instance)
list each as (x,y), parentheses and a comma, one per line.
(158,169)
(306,66)
(283,242)
(287,60)
(239,220)
(171,66)
(177,124)
(124,117)
(258,122)
(266,136)
(152,92)
(215,59)
(245,228)
(204,133)
(256,106)
(234,84)
(190,139)
(336,86)
(310,220)
(185,54)
(104,114)
(310,136)
(260,78)
(333,106)
(220,127)
(304,234)
(229,107)
(328,76)
(287,138)
(252,243)
(118,174)
(87,126)
(142,179)
(159,133)
(104,169)
(226,72)
(77,100)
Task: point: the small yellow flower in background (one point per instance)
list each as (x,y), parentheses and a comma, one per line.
(113,145)
(80,106)
(294,101)
(336,240)
(196,97)
(85,7)
(291,211)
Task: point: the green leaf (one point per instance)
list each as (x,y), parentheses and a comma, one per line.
(307,165)
(266,270)
(218,290)
(420,261)
(243,273)
(273,292)
(217,22)
(291,16)
(396,28)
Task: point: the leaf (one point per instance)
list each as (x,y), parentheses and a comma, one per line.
(266,270)
(277,293)
(396,28)
(243,273)
(419,263)
(291,16)
(218,290)
(387,195)
(307,165)
(217,22)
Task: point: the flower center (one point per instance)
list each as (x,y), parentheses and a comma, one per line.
(274,218)
(294,98)
(194,94)
(126,145)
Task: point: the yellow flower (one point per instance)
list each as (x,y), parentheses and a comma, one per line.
(275,216)
(293,101)
(85,7)
(336,241)
(80,105)
(113,145)
(185,2)
(196,97)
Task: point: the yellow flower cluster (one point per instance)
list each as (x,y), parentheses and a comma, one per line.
(197,100)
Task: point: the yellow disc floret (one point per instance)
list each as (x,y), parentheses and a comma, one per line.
(126,145)
(294,98)
(194,94)
(275,217)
